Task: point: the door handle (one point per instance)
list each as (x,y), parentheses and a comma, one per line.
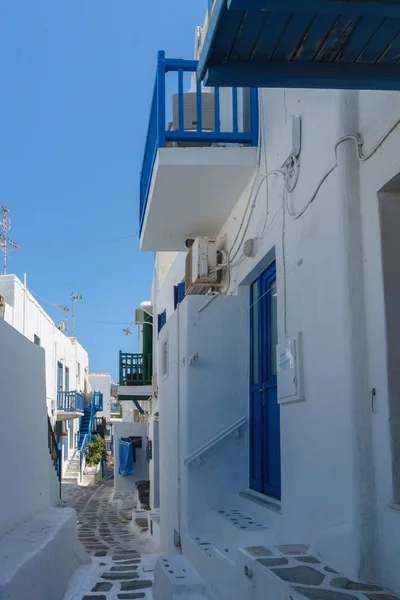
(262,395)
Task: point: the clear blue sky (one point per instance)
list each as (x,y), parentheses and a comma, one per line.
(76,83)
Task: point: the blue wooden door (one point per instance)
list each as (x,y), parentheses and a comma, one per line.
(60,377)
(265,455)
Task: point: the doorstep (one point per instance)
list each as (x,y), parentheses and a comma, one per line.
(39,556)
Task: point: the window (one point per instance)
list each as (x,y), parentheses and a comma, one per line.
(164,358)
(79,372)
(162,319)
(36,340)
(66,379)
(179,294)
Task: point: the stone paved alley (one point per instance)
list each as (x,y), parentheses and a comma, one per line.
(122,556)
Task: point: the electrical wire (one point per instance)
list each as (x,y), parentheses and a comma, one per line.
(72,246)
(358,141)
(88,320)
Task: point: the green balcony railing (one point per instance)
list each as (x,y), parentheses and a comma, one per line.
(135,369)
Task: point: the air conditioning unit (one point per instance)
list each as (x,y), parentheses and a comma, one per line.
(141,316)
(190,115)
(201,271)
(60,428)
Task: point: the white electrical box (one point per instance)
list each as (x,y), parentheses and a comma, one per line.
(290,380)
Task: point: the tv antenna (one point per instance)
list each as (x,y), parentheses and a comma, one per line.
(5,243)
(75,298)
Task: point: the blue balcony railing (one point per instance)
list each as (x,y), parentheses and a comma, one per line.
(97,401)
(160,136)
(70,401)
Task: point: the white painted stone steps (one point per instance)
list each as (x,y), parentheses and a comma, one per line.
(39,556)
(175,577)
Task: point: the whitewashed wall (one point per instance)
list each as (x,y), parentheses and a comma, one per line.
(337,489)
(101,382)
(25,473)
(154,465)
(26,315)
(336,460)
(212,395)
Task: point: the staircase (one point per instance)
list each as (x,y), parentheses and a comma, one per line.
(71,471)
(86,421)
(85,425)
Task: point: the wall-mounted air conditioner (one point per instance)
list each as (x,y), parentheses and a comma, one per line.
(61,428)
(190,112)
(201,270)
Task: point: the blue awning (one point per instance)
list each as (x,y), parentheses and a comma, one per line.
(327,44)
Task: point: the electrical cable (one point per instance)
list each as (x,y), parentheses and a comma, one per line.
(89,244)
(83,319)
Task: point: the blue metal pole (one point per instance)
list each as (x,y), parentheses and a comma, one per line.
(161,99)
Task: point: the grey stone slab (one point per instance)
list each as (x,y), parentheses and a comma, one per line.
(293,549)
(259,551)
(121,554)
(304,575)
(119,576)
(131,596)
(346,584)
(131,586)
(319,594)
(311,560)
(102,586)
(329,570)
(272,562)
(96,597)
(132,561)
(384,596)
(124,568)
(100,553)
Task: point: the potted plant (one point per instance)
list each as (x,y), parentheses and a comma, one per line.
(95,453)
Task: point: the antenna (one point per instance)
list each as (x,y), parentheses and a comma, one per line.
(74,298)
(64,323)
(5,242)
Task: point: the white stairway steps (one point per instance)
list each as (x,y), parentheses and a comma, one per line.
(176,578)
(71,471)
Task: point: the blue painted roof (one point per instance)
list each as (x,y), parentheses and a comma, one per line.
(303,43)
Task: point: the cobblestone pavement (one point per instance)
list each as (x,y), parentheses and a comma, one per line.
(122,558)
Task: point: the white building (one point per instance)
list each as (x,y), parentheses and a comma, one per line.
(39,547)
(277,382)
(66,360)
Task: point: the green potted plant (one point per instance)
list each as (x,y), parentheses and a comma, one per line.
(95,453)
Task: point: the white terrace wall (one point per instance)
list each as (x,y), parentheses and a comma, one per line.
(197,402)
(101,382)
(27,316)
(25,470)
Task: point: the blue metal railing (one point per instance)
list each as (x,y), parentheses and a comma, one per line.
(83,449)
(97,401)
(70,401)
(158,136)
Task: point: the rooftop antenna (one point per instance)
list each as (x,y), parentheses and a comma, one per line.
(5,242)
(74,298)
(64,323)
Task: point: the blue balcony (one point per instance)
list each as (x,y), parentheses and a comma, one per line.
(326,44)
(70,405)
(97,401)
(200,146)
